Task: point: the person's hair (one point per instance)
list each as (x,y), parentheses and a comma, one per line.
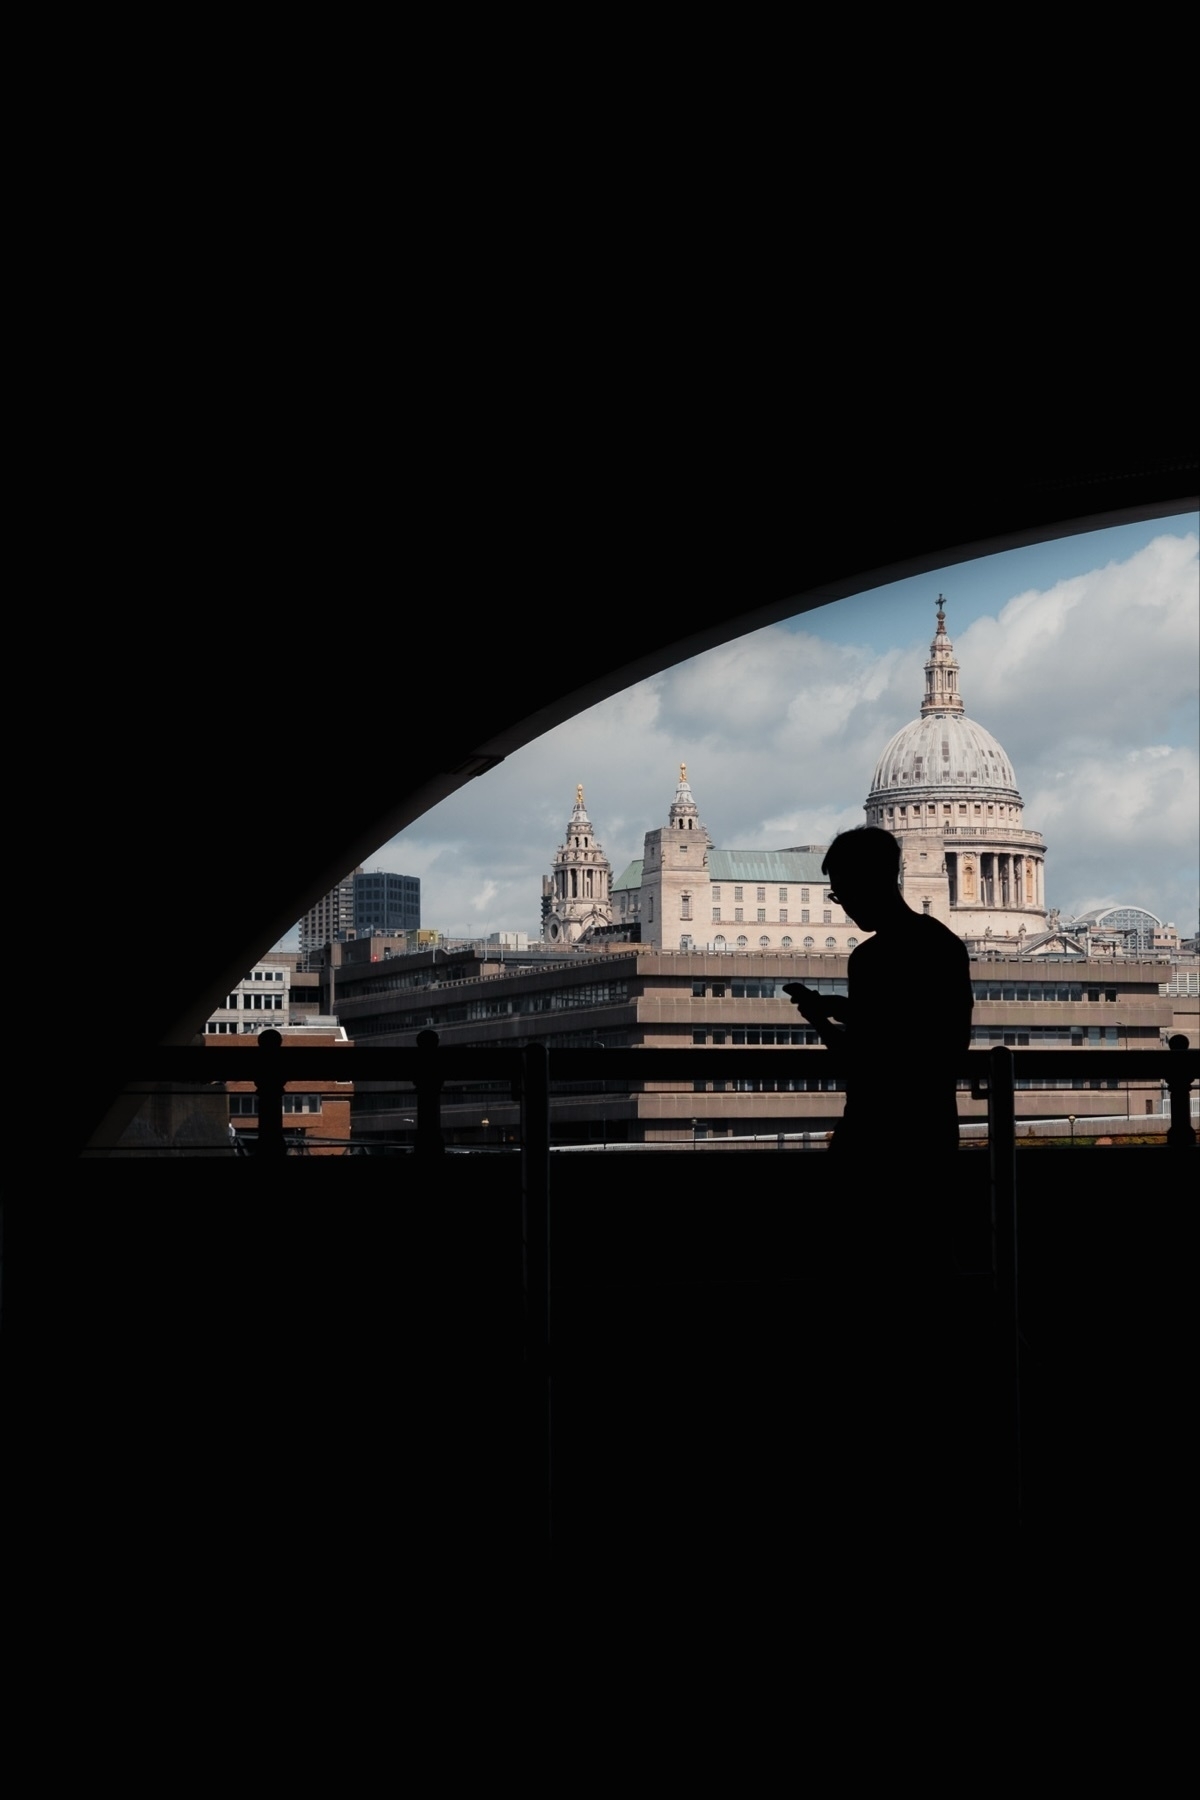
(867,850)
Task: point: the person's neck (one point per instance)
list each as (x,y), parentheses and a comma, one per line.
(894,911)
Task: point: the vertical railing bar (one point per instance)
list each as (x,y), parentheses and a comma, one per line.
(535,1238)
(268,1083)
(1002,1137)
(1181,1135)
(430,1141)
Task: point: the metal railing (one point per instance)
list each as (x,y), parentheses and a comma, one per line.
(528,1072)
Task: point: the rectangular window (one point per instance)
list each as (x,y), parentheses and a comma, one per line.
(737,915)
(760,893)
(783,912)
(737,893)
(827,917)
(716,894)
(783,896)
(716,915)
(697,990)
(804,919)
(804,896)
(762,915)
(698,1037)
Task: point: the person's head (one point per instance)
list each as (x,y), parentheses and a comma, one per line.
(863,867)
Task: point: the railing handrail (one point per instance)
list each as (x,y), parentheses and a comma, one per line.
(353,1062)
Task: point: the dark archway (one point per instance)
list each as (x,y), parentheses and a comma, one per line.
(251,728)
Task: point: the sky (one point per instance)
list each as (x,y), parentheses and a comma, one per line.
(1082,657)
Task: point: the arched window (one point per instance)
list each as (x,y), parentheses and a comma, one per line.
(685,906)
(809,942)
(719,941)
(741,943)
(831,943)
(764,943)
(851,943)
(787,943)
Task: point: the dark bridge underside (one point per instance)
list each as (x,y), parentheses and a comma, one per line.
(452,620)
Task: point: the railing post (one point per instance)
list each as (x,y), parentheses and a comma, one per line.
(269,1085)
(1002,1138)
(1181,1135)
(430,1142)
(535,1233)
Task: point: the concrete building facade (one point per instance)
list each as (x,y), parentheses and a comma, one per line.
(631,996)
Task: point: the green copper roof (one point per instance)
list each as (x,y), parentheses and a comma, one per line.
(765,865)
(748,865)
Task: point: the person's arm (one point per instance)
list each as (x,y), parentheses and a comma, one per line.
(823,1011)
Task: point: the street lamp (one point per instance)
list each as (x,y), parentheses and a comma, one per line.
(1071,1120)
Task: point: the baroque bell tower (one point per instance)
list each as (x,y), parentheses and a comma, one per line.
(675,874)
(578,895)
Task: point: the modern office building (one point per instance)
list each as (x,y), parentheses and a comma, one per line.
(385,902)
(363,904)
(332,918)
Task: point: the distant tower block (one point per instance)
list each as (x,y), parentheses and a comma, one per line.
(578,895)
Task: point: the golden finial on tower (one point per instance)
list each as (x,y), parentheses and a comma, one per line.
(579,793)
(683,771)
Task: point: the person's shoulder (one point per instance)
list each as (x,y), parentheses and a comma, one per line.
(944,946)
(943,936)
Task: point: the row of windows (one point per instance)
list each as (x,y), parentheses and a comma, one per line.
(760,914)
(795,1034)
(760,894)
(1006,812)
(769,1087)
(266,975)
(1041,990)
(246,1105)
(720,942)
(254,1002)
(763,988)
(230,1028)
(592,993)
(1075,1035)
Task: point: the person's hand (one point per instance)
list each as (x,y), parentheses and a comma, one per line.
(811,1005)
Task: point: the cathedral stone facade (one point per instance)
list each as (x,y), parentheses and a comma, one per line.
(943,786)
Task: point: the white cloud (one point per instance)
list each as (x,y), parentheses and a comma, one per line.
(1091,686)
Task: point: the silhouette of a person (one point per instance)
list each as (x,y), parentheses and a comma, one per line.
(899,1035)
